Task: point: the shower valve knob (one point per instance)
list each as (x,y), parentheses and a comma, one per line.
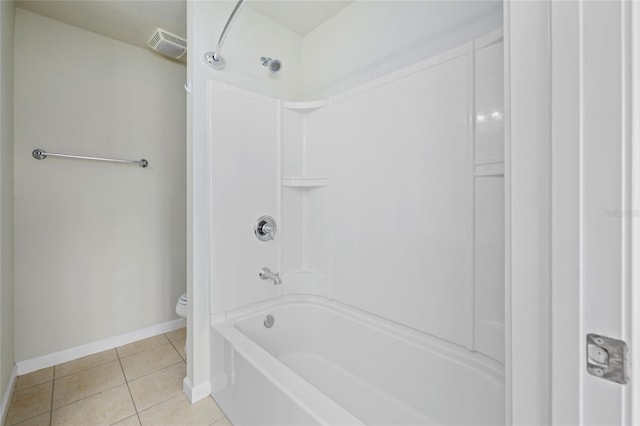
(265,228)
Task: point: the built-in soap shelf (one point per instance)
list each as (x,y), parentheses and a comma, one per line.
(488,167)
(305,194)
(304,182)
(305,106)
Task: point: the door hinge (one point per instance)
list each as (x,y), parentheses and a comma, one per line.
(607,358)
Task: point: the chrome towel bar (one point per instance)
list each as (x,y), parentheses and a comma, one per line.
(40,154)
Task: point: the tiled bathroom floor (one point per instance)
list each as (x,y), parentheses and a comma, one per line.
(139,383)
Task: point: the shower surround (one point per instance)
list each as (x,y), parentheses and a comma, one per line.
(389,203)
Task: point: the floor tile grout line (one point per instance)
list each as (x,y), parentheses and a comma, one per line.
(88,396)
(67,375)
(118,358)
(84,369)
(143,351)
(135,406)
(35,384)
(157,403)
(156,371)
(147,349)
(24,420)
(133,401)
(121,420)
(224,415)
(179,354)
(53,389)
(15,391)
(180,338)
(160,402)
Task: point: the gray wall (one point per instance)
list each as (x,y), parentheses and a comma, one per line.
(7,352)
(100,247)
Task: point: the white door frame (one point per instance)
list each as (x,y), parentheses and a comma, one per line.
(635,211)
(566,336)
(550,300)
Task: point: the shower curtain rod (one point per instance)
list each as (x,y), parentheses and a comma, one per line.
(213,58)
(40,154)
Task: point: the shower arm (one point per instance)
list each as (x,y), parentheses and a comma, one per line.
(213,58)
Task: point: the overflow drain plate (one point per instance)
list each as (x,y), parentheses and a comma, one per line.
(269,320)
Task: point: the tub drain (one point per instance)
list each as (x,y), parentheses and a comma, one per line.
(269,320)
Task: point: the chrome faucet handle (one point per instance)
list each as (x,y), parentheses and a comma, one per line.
(265,228)
(269,230)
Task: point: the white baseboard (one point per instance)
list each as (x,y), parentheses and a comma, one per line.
(34,364)
(6,396)
(195,393)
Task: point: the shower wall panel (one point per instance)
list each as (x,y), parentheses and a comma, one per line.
(252,36)
(244,142)
(489,196)
(402,199)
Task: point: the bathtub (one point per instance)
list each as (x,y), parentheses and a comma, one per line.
(322,362)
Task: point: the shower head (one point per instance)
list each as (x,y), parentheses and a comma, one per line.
(274,65)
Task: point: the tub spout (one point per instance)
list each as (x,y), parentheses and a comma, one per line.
(267,274)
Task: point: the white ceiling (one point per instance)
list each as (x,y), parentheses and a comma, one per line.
(134,21)
(130,21)
(300,16)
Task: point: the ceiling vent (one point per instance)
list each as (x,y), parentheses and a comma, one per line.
(168,44)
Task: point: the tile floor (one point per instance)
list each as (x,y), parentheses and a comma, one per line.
(140,383)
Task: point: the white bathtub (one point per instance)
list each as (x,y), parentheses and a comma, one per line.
(325,363)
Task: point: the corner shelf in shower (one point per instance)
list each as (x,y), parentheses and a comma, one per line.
(487,168)
(304,182)
(305,106)
(305,191)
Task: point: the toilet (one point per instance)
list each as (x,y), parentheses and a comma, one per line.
(181,311)
(181,306)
